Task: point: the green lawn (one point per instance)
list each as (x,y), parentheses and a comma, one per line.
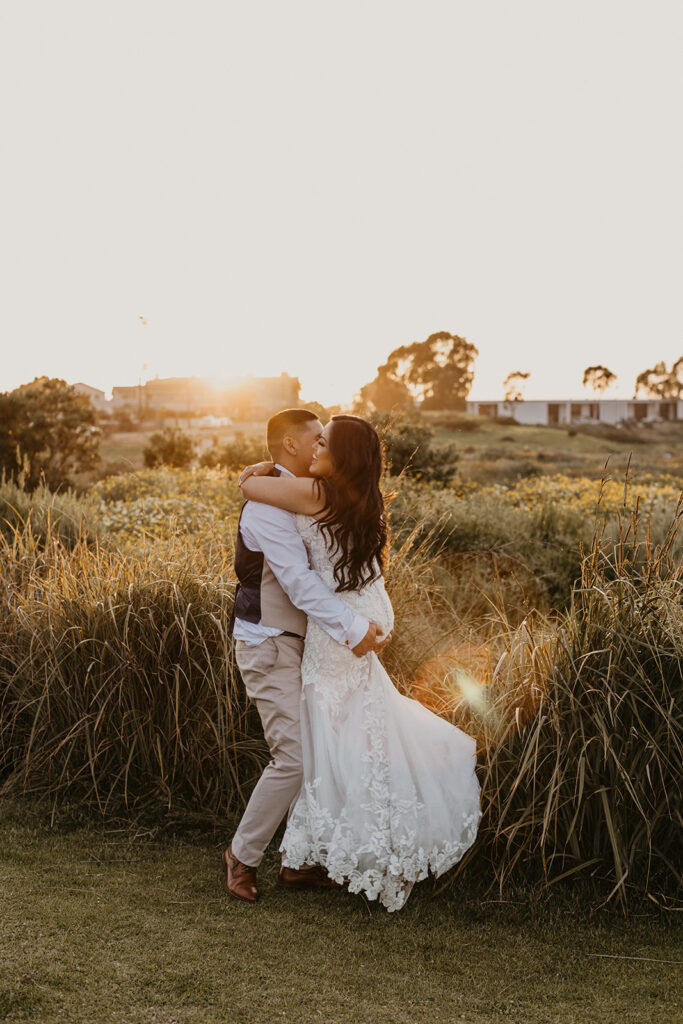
(105,925)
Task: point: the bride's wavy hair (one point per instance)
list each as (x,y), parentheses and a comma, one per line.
(354,519)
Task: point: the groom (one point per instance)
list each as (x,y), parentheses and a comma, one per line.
(276,592)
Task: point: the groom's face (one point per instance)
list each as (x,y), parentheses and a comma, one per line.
(303,440)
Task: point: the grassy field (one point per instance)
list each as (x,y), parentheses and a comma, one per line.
(488,451)
(109,924)
(122,452)
(119,696)
(506,452)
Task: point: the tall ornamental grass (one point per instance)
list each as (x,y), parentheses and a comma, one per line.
(117,683)
(118,688)
(536,527)
(581,731)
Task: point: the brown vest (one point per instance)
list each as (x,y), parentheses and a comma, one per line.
(259,597)
(276,608)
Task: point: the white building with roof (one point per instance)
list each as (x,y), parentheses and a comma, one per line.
(599,410)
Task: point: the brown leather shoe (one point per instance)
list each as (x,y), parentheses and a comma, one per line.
(240,880)
(314,877)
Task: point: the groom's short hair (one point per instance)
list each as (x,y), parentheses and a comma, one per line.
(283,423)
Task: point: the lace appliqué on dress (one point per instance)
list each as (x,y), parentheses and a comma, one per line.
(360,813)
(332,671)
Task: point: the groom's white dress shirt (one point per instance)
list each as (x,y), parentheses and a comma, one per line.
(273,531)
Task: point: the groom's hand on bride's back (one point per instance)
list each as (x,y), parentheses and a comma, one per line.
(372,641)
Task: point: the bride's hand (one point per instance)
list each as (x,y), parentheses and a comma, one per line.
(258,469)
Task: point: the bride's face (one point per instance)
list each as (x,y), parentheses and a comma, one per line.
(322,461)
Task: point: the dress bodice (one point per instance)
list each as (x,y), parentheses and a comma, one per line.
(371,601)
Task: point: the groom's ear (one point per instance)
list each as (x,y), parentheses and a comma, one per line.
(290,445)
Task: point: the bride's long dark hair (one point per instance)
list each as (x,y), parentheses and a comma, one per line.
(354,519)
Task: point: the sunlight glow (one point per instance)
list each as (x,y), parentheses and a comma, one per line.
(472,692)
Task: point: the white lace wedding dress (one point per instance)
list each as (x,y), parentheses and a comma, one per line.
(389,788)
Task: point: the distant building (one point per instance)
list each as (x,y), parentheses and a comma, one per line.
(129,398)
(95,395)
(601,410)
(259,397)
(181,395)
(244,398)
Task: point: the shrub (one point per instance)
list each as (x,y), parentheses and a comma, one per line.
(629,432)
(124,422)
(169,447)
(453,421)
(236,454)
(408,448)
(539,523)
(41,513)
(109,468)
(163,503)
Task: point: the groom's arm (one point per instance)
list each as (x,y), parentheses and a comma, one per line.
(273,531)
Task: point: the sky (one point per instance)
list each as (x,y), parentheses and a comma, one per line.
(305,186)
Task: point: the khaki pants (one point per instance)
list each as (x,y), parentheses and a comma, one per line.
(272,676)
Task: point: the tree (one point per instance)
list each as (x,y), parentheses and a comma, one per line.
(437,372)
(513,385)
(660,382)
(48,430)
(599,378)
(169,447)
(385,392)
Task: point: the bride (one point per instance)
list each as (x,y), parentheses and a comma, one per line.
(389,789)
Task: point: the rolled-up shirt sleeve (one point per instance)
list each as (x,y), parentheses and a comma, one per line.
(273,531)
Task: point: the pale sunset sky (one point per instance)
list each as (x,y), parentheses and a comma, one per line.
(303,186)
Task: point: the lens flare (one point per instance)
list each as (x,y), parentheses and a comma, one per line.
(472,692)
